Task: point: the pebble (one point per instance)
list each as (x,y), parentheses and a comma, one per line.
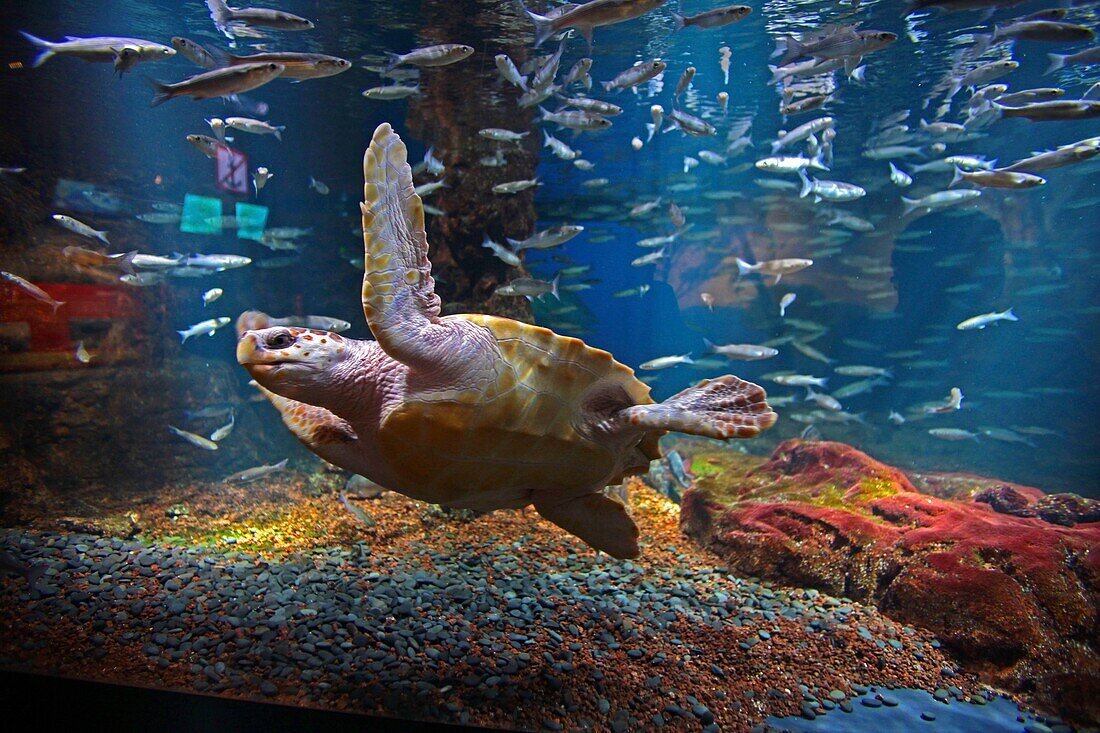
(928,716)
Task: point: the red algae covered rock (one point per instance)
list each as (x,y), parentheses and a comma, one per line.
(1015,597)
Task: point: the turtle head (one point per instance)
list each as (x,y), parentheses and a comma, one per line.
(294,362)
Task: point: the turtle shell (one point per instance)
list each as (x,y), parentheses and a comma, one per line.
(532,426)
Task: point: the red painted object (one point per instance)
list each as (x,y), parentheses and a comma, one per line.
(50,332)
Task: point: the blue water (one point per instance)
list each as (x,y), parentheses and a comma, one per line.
(1029,250)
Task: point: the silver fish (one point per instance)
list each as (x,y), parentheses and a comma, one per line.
(32,290)
(196,440)
(256,473)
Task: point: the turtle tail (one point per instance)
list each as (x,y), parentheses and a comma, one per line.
(723,408)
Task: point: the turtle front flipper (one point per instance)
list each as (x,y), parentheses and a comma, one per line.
(399,299)
(723,408)
(599,520)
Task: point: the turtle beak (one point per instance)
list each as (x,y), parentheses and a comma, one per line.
(251,354)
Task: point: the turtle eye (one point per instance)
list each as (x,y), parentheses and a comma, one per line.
(280,340)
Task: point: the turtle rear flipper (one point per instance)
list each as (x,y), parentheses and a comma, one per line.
(599,520)
(723,408)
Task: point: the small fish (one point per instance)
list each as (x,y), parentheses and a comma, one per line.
(221,82)
(859,370)
(664,362)
(785,302)
(516,186)
(260,177)
(953,434)
(196,440)
(229,20)
(799,380)
(822,190)
(428,56)
(506,255)
(123,52)
(998,179)
(899,177)
(978,322)
(1060,61)
(776,268)
(208,327)
(713,18)
(650,259)
(32,290)
(510,73)
(211,295)
(635,75)
(391,92)
(194,52)
(529,287)
(547,238)
(318,186)
(256,473)
(256,127)
(950,404)
(223,432)
(579,120)
(896,418)
(82,354)
(939,200)
(360,516)
(689,124)
(558,148)
(80,228)
(496,133)
(826,401)
(743,352)
(159,217)
(321,323)
(89,258)
(205,144)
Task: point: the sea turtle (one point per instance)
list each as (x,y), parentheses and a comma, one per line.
(474,411)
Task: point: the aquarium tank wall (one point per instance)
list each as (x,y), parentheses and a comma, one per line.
(625,365)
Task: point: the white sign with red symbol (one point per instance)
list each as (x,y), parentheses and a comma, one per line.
(231,169)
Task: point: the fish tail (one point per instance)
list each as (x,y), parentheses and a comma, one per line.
(1057,61)
(544,27)
(958,178)
(183,336)
(554,286)
(279,132)
(102,236)
(393,60)
(818,161)
(161,92)
(910,205)
(744,268)
(1008,315)
(126,264)
(58,303)
(711,348)
(608,85)
(679,21)
(807,184)
(47,48)
(513,243)
(282,463)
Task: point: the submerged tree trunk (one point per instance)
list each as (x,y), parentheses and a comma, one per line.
(456,101)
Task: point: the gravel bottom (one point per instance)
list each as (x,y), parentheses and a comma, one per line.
(512,624)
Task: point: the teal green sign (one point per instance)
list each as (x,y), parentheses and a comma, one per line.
(201,215)
(251,220)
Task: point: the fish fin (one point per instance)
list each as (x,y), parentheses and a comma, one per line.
(958,178)
(678,20)
(722,408)
(910,205)
(279,132)
(1008,315)
(744,268)
(161,92)
(807,184)
(1057,61)
(47,48)
(791,49)
(393,60)
(126,264)
(818,161)
(183,336)
(544,27)
(1092,94)
(851,63)
(102,236)
(58,303)
(554,286)
(711,348)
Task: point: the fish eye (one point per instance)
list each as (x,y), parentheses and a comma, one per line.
(280,340)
